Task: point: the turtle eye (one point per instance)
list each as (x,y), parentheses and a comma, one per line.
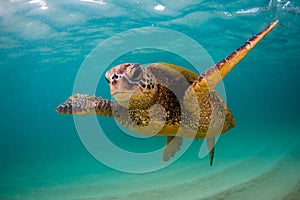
(137,73)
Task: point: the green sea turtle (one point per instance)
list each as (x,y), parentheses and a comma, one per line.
(148,100)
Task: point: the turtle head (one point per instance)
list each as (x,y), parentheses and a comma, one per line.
(132,85)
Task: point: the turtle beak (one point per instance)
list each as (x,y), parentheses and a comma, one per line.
(107,80)
(123,89)
(107,77)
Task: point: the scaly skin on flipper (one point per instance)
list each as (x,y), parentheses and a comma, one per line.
(83,104)
(172,146)
(146,102)
(212,76)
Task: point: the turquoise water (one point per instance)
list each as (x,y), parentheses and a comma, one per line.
(42,47)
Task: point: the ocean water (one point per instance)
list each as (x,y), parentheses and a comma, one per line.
(45,44)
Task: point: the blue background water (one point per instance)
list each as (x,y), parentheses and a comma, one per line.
(42,46)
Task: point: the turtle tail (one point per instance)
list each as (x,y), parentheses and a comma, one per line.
(82,104)
(212,76)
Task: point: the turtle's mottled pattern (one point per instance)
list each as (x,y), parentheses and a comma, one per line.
(160,98)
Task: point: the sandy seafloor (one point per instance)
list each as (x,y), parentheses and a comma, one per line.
(266,173)
(42,47)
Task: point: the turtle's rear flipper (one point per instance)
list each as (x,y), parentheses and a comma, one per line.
(172,146)
(211,148)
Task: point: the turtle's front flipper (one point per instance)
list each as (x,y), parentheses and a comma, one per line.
(211,148)
(82,104)
(212,76)
(172,146)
